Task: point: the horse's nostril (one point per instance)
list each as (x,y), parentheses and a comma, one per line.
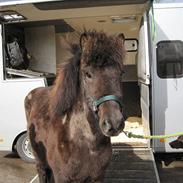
(106,126)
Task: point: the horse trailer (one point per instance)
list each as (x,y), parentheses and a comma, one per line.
(33,31)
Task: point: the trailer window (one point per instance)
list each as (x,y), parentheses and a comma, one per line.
(170,59)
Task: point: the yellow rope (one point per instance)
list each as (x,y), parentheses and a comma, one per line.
(131,135)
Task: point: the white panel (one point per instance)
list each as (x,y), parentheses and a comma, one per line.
(167,93)
(12,113)
(1,55)
(144,74)
(14,2)
(169,1)
(144,101)
(143,54)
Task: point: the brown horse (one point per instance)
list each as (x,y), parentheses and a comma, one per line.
(70,123)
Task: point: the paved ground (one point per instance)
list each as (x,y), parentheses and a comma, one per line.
(14,170)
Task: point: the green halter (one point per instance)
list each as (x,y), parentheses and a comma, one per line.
(106,98)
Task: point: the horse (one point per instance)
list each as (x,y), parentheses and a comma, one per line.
(178,143)
(70,123)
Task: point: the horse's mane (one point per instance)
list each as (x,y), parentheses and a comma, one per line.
(66,85)
(99,50)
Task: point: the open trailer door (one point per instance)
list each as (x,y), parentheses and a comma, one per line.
(167,74)
(143,72)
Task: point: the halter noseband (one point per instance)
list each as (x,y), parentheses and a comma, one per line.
(97,103)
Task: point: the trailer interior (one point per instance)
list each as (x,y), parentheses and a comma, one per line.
(42,27)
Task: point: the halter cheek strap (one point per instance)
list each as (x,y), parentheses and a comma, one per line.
(97,103)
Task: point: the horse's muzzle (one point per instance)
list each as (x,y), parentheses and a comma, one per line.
(112,128)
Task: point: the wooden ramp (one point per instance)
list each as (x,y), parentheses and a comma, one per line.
(132,165)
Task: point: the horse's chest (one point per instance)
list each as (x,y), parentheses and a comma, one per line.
(90,162)
(84,161)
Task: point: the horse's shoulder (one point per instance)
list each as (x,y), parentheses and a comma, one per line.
(37,107)
(36,96)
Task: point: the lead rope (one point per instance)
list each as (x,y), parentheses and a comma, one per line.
(131,135)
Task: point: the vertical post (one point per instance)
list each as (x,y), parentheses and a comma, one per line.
(1,54)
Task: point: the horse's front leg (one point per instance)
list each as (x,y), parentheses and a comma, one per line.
(41,173)
(45,174)
(58,178)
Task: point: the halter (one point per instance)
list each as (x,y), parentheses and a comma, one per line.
(97,103)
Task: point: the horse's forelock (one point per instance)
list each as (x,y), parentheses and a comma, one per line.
(99,50)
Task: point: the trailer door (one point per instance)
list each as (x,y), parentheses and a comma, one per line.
(167,81)
(144,72)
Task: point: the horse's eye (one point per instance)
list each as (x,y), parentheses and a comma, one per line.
(88,75)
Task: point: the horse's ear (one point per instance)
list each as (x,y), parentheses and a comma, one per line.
(83,39)
(121,37)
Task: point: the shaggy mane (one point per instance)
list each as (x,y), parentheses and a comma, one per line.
(66,85)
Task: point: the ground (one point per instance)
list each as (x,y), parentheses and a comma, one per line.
(170,167)
(14,170)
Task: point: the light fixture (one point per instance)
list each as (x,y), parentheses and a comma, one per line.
(101,21)
(125,19)
(11,16)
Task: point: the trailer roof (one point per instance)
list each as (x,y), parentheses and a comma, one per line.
(105,2)
(14,2)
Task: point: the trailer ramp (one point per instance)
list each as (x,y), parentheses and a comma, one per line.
(132,165)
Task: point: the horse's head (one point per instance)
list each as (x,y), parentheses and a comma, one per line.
(95,72)
(101,67)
